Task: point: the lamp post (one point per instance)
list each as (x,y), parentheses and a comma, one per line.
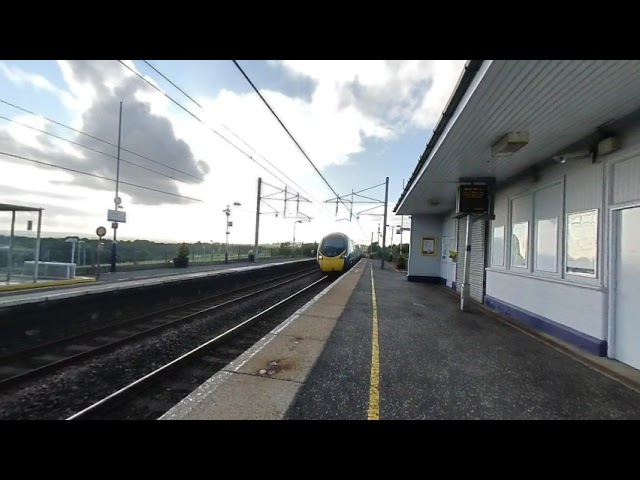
(293,245)
(227,211)
(80,250)
(211,250)
(73,241)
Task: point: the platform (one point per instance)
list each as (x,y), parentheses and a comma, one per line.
(433,361)
(62,291)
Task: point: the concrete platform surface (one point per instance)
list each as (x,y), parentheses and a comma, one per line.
(263,382)
(435,362)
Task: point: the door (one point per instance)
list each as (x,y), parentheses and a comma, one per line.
(444,261)
(627,300)
(453,247)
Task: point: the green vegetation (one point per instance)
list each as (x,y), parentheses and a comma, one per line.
(137,252)
(182,259)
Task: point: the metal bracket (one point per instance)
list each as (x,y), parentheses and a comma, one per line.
(472,180)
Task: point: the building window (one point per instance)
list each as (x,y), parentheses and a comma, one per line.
(519,244)
(497,247)
(546,258)
(582,243)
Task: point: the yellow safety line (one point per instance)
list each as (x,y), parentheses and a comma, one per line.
(54,283)
(374,392)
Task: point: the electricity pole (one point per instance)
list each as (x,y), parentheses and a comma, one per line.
(116,200)
(384,230)
(255,247)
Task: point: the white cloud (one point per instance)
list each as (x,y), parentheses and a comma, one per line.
(22,78)
(445,75)
(404,91)
(352,101)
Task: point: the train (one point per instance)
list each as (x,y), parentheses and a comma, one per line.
(337,253)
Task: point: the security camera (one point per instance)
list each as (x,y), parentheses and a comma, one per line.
(568,156)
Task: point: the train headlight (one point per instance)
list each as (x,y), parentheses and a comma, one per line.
(319,257)
(342,256)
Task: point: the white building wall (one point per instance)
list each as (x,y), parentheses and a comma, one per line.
(449,242)
(421,265)
(578,301)
(580,308)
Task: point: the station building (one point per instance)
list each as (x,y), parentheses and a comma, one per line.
(533,171)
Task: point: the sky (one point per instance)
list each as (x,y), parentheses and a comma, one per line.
(195,137)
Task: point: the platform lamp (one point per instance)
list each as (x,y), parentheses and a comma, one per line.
(227,211)
(293,245)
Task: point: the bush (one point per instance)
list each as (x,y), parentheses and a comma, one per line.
(182,259)
(402,263)
(183,251)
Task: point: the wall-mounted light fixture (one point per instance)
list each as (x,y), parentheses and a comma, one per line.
(608,145)
(509,144)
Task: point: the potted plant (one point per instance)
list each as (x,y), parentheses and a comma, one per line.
(182,259)
(453,254)
(401,263)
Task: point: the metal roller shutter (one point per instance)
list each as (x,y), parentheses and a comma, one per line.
(476,274)
(462,232)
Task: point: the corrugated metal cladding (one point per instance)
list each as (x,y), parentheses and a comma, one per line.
(476,274)
(556,101)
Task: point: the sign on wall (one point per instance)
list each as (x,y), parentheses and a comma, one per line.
(473,199)
(428,246)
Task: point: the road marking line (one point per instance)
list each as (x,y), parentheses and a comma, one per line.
(374,392)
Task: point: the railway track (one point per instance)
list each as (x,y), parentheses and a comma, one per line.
(33,362)
(156,392)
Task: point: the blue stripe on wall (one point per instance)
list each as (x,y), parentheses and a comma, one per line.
(582,340)
(422,279)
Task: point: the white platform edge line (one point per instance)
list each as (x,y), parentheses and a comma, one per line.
(187,404)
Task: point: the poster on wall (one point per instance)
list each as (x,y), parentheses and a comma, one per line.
(428,245)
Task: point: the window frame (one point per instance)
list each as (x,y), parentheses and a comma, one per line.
(527,243)
(536,243)
(566,245)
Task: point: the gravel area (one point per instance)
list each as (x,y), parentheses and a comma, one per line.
(59,395)
(25,328)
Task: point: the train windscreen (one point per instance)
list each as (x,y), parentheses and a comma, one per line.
(333,245)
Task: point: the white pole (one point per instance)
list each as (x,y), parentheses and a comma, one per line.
(13,223)
(37,254)
(465,297)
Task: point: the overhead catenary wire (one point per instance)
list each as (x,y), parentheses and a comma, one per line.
(20,157)
(88,148)
(98,139)
(199,120)
(289,133)
(318,203)
(182,91)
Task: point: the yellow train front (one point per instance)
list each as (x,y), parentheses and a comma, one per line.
(337,253)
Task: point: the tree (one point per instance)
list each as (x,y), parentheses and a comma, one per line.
(182,259)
